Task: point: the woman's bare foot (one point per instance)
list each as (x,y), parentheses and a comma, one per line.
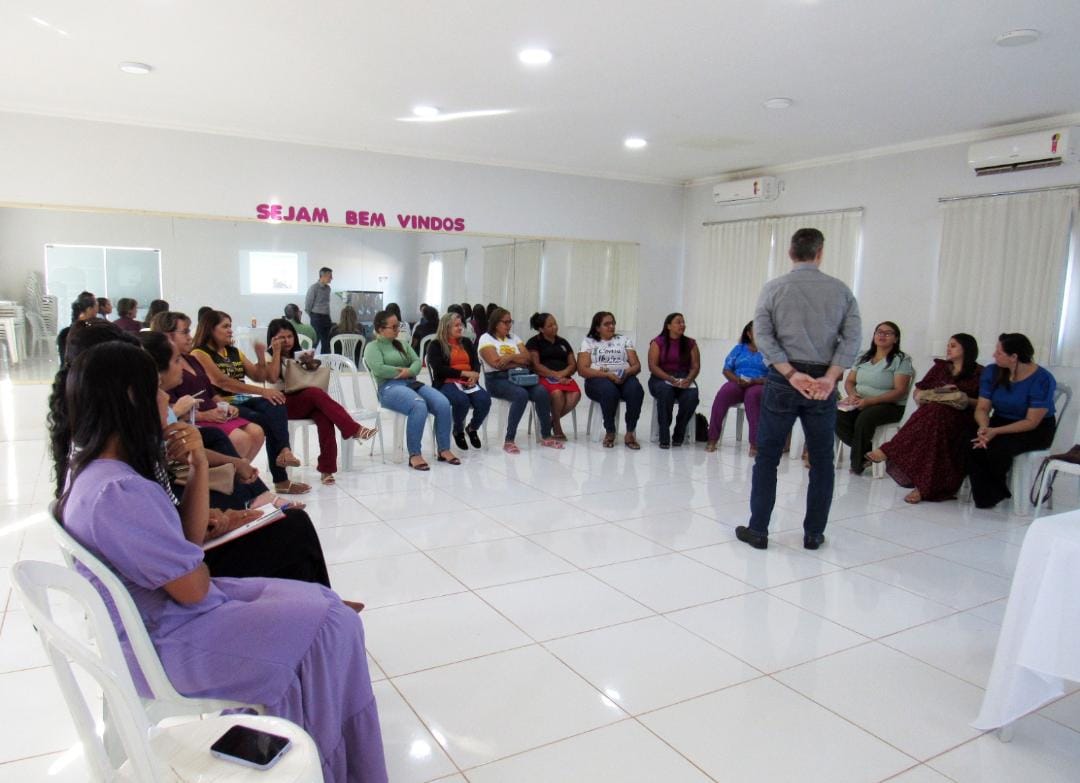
(710,446)
(286,459)
(875,456)
(327,479)
(753,451)
(913,497)
(366,433)
(275,501)
(356,606)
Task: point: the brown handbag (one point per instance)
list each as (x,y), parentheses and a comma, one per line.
(954,398)
(298,377)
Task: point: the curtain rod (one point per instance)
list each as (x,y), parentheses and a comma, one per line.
(780,217)
(1008,193)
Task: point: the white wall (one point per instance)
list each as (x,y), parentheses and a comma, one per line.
(47,160)
(901,232)
(201,258)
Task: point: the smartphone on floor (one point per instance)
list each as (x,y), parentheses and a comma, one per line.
(251,747)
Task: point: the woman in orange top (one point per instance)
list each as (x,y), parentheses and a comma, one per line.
(455,371)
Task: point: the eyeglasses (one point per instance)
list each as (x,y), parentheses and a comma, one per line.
(395,327)
(885,333)
(507,321)
(607,323)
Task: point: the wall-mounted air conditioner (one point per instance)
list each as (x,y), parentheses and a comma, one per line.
(747,191)
(1028,151)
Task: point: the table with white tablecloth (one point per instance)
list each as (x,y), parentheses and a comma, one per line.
(1038,651)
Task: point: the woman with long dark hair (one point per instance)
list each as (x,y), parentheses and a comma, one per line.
(455,371)
(674,363)
(394,365)
(310,403)
(291,646)
(156,306)
(226,366)
(928,453)
(745,371)
(877,390)
(84,308)
(609,364)
(1015,413)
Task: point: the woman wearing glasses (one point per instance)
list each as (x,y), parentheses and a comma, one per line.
(609,364)
(877,390)
(394,365)
(502,352)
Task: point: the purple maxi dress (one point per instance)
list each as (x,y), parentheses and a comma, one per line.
(291,646)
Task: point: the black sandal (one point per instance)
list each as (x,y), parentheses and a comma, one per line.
(452,460)
(421,465)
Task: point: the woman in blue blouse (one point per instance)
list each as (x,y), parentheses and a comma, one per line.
(1015,414)
(745,371)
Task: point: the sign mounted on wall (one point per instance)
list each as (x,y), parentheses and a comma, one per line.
(280,213)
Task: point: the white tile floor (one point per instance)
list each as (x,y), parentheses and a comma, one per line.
(586,615)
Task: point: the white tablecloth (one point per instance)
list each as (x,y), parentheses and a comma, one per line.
(1039,646)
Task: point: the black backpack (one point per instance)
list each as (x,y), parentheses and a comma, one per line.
(701,428)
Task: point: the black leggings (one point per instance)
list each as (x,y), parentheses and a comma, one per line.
(988,468)
(286,549)
(856,428)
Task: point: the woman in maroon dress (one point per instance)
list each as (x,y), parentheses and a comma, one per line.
(928,451)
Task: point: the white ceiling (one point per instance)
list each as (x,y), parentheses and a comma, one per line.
(688,75)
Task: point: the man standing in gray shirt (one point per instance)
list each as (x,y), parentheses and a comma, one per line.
(807,328)
(317,305)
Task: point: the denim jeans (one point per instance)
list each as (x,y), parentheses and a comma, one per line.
(460,402)
(274,419)
(781,405)
(518,397)
(396,395)
(608,393)
(666,396)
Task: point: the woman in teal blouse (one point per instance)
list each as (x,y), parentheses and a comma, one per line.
(876,391)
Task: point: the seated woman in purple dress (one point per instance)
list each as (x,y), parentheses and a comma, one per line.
(293,647)
(928,452)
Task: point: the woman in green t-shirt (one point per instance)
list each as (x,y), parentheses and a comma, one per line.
(876,391)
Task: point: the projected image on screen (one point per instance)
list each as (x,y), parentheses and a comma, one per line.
(273,273)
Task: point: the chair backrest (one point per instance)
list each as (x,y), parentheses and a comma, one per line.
(424,343)
(104,661)
(37,326)
(1062,398)
(163,701)
(339,366)
(374,380)
(349,345)
(305,342)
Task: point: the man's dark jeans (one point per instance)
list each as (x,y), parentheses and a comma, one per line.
(781,405)
(321,324)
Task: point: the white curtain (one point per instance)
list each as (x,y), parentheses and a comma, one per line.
(842,230)
(1069,334)
(422,275)
(523,297)
(497,262)
(1002,268)
(453,276)
(579,278)
(721,292)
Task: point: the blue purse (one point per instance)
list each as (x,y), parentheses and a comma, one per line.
(519,376)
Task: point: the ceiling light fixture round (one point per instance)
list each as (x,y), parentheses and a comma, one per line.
(140,69)
(534,56)
(1017,37)
(778,103)
(425,111)
(635,143)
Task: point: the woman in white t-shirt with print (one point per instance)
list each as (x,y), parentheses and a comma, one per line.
(501,351)
(609,364)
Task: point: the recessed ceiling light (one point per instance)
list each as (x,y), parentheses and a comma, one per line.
(136,68)
(425,111)
(1017,37)
(535,56)
(455,115)
(777,103)
(635,143)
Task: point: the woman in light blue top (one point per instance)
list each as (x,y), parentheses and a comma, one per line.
(394,365)
(877,390)
(1021,395)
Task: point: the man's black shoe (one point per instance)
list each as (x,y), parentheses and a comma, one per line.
(748,536)
(813,542)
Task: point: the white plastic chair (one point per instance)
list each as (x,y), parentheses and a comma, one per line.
(347,345)
(1024,466)
(594,412)
(39,335)
(654,426)
(306,343)
(153,754)
(164,701)
(342,367)
(399,420)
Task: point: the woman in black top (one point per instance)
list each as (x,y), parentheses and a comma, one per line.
(428,324)
(455,371)
(84,308)
(554,361)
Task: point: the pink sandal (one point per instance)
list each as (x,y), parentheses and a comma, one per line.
(511,448)
(552,443)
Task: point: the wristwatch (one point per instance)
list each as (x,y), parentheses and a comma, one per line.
(788,375)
